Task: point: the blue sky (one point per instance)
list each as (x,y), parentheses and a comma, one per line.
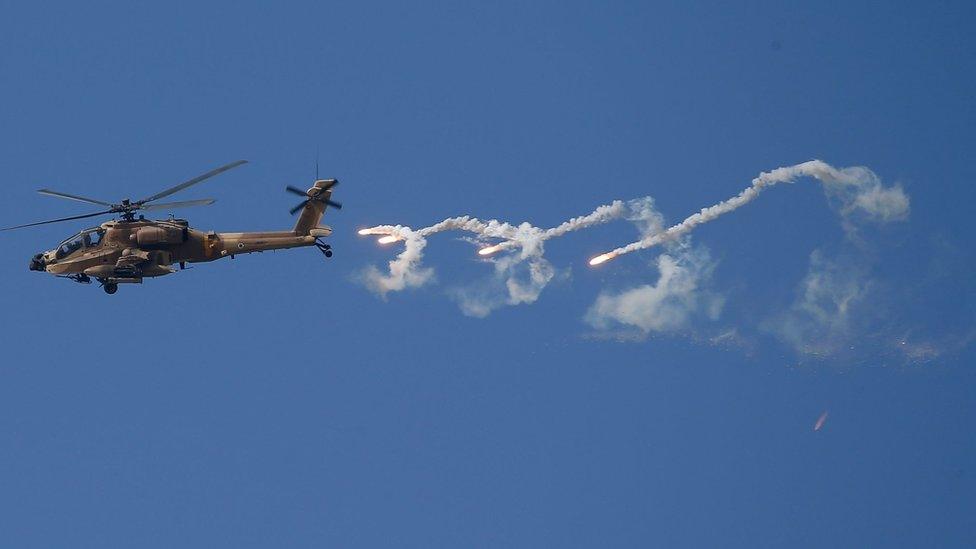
(275,400)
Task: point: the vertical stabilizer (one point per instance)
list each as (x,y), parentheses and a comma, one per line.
(319,196)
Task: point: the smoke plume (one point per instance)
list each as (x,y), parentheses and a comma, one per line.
(859,190)
(523,273)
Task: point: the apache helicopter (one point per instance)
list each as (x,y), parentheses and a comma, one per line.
(131,248)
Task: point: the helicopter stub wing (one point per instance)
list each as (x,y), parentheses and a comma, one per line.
(131,265)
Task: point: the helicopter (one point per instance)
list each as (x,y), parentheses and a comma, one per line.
(131,248)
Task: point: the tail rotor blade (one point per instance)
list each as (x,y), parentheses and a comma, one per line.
(321,196)
(295,190)
(301,205)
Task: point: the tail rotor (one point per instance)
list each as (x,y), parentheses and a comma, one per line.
(319,194)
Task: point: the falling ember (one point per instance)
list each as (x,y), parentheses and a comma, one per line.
(820,421)
(388,239)
(602,258)
(489,250)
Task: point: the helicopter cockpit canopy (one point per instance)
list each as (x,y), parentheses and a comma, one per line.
(87,238)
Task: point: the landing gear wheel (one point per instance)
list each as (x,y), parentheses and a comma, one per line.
(328,253)
(110,288)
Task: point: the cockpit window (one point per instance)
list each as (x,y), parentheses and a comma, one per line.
(86,238)
(70,247)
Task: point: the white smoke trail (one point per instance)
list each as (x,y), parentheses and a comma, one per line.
(406,271)
(523,275)
(858,188)
(680,295)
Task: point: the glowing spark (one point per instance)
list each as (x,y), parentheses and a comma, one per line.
(489,250)
(388,239)
(602,258)
(820,421)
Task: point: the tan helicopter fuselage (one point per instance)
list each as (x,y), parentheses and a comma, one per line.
(127,251)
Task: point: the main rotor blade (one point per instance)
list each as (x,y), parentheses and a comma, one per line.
(49,192)
(183,204)
(58,220)
(296,190)
(193,181)
(334,204)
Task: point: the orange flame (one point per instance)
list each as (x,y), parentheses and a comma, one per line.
(602,258)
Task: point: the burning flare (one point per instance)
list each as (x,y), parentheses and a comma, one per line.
(490,249)
(602,258)
(388,239)
(820,421)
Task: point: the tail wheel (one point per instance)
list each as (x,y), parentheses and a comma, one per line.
(323,247)
(110,288)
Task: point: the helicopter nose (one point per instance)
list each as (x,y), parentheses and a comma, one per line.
(37,263)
